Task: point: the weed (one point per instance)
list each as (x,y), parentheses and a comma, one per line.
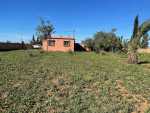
(32,81)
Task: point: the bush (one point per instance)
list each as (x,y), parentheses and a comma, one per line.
(107,41)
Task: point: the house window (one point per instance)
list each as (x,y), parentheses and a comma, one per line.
(51,42)
(66,43)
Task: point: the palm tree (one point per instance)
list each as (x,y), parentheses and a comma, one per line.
(138,32)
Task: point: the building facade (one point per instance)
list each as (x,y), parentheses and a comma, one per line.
(61,43)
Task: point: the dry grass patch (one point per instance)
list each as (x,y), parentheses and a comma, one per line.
(141,104)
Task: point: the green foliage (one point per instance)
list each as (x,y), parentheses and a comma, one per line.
(65,83)
(89,42)
(45,28)
(138,32)
(104,41)
(136,27)
(144,41)
(144,28)
(36,40)
(125,43)
(33,41)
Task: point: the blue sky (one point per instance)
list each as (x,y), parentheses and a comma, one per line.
(19,18)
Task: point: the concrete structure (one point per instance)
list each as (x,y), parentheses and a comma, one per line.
(146,50)
(58,43)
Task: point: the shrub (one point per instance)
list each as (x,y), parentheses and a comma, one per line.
(107,41)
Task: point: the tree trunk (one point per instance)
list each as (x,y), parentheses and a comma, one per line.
(132,58)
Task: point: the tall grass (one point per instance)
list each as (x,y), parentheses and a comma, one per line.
(67,83)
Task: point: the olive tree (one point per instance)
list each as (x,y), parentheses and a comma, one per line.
(44,29)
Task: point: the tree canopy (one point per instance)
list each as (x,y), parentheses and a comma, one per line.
(139,32)
(45,28)
(107,41)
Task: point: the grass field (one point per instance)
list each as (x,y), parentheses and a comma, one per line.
(37,82)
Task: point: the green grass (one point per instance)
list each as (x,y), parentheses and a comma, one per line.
(36,82)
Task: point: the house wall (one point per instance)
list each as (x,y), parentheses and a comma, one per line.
(146,50)
(59,45)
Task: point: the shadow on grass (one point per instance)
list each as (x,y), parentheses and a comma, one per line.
(144,62)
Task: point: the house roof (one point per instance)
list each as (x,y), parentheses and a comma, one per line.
(61,37)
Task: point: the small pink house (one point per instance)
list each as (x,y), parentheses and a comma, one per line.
(61,43)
